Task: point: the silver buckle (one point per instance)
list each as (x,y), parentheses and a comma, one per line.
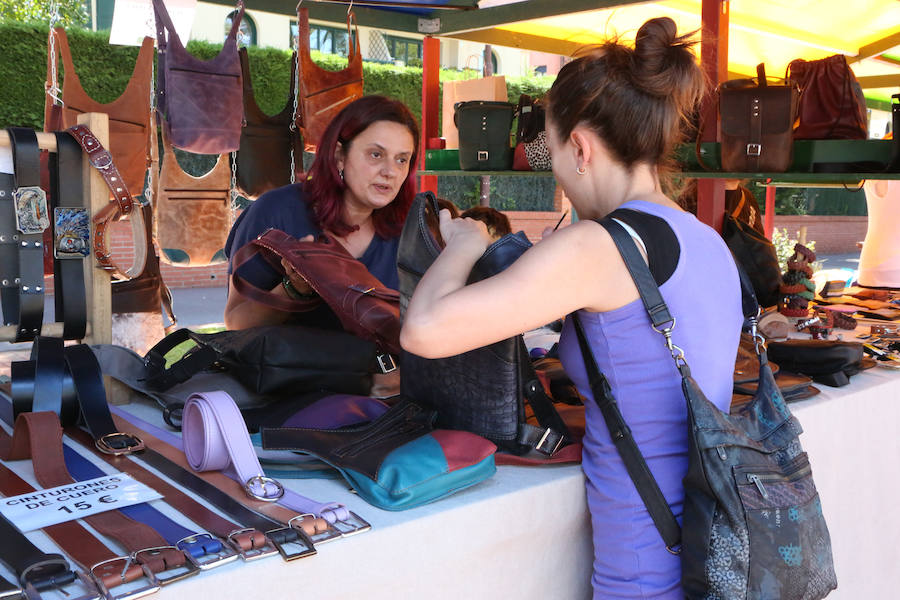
(317,538)
(104,445)
(754,149)
(71,232)
(32,215)
(482,155)
(254,553)
(263,480)
(386,363)
(134,594)
(352,525)
(209,560)
(9,591)
(179,573)
(292,549)
(540,444)
(90,589)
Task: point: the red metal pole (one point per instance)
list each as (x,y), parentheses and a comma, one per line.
(431,105)
(769,221)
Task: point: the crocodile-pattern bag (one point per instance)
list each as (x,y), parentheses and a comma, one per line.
(200,99)
(483,390)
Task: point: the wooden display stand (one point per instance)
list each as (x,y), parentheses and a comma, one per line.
(98,291)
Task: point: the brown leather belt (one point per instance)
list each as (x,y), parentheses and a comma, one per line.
(122,206)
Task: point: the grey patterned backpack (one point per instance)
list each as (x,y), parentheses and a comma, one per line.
(752,524)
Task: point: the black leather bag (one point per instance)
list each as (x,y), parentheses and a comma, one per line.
(757,256)
(752,525)
(484,129)
(482,391)
(828,362)
(273,360)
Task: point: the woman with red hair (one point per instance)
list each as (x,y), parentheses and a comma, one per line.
(359,189)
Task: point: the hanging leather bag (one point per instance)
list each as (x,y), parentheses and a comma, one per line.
(271,151)
(193,214)
(531,135)
(832,105)
(482,391)
(756,121)
(484,129)
(199,100)
(130,135)
(364,306)
(323,94)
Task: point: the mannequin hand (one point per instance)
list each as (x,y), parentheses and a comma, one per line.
(465,233)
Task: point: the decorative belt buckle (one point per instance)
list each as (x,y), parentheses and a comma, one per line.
(248,554)
(118,443)
(754,149)
(71,232)
(352,525)
(209,556)
(482,155)
(32,215)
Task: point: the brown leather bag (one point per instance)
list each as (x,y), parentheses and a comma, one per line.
(265,161)
(365,307)
(323,94)
(193,214)
(832,105)
(130,138)
(200,100)
(756,122)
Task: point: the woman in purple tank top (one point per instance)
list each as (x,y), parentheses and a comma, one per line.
(614,117)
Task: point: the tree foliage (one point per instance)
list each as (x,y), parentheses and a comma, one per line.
(72,13)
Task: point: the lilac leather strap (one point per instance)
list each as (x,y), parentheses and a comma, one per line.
(216,439)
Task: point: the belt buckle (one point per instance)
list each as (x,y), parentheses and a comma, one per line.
(253,553)
(754,149)
(352,525)
(180,572)
(8,591)
(89,587)
(71,232)
(134,594)
(328,535)
(54,573)
(132,443)
(539,446)
(386,363)
(32,215)
(289,538)
(209,559)
(263,480)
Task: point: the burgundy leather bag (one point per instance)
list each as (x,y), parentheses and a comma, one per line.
(832,105)
(365,307)
(323,94)
(200,100)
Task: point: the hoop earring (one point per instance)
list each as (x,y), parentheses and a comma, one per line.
(580,170)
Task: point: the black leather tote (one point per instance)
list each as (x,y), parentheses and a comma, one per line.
(484,390)
(752,522)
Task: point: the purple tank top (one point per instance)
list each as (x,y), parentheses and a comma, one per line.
(703,293)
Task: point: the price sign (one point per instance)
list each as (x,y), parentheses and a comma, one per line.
(74,501)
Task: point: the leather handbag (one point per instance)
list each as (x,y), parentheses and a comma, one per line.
(199,100)
(130,134)
(829,362)
(482,391)
(364,306)
(323,94)
(755,252)
(756,121)
(271,152)
(193,214)
(484,129)
(395,460)
(832,105)
(752,525)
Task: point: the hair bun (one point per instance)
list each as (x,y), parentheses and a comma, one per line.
(653,42)
(664,63)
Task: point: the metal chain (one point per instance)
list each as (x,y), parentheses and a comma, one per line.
(293,125)
(234,193)
(148,189)
(52,86)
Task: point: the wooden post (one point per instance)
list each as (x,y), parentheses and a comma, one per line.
(431,105)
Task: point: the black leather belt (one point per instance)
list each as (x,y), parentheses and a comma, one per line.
(71,236)
(9,252)
(32,217)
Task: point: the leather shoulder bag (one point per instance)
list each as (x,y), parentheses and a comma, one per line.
(752,524)
(484,390)
(831,105)
(323,94)
(271,153)
(200,100)
(130,134)
(193,214)
(365,307)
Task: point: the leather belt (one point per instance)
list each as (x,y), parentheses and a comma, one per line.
(122,205)
(71,235)
(32,218)
(9,251)
(215,438)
